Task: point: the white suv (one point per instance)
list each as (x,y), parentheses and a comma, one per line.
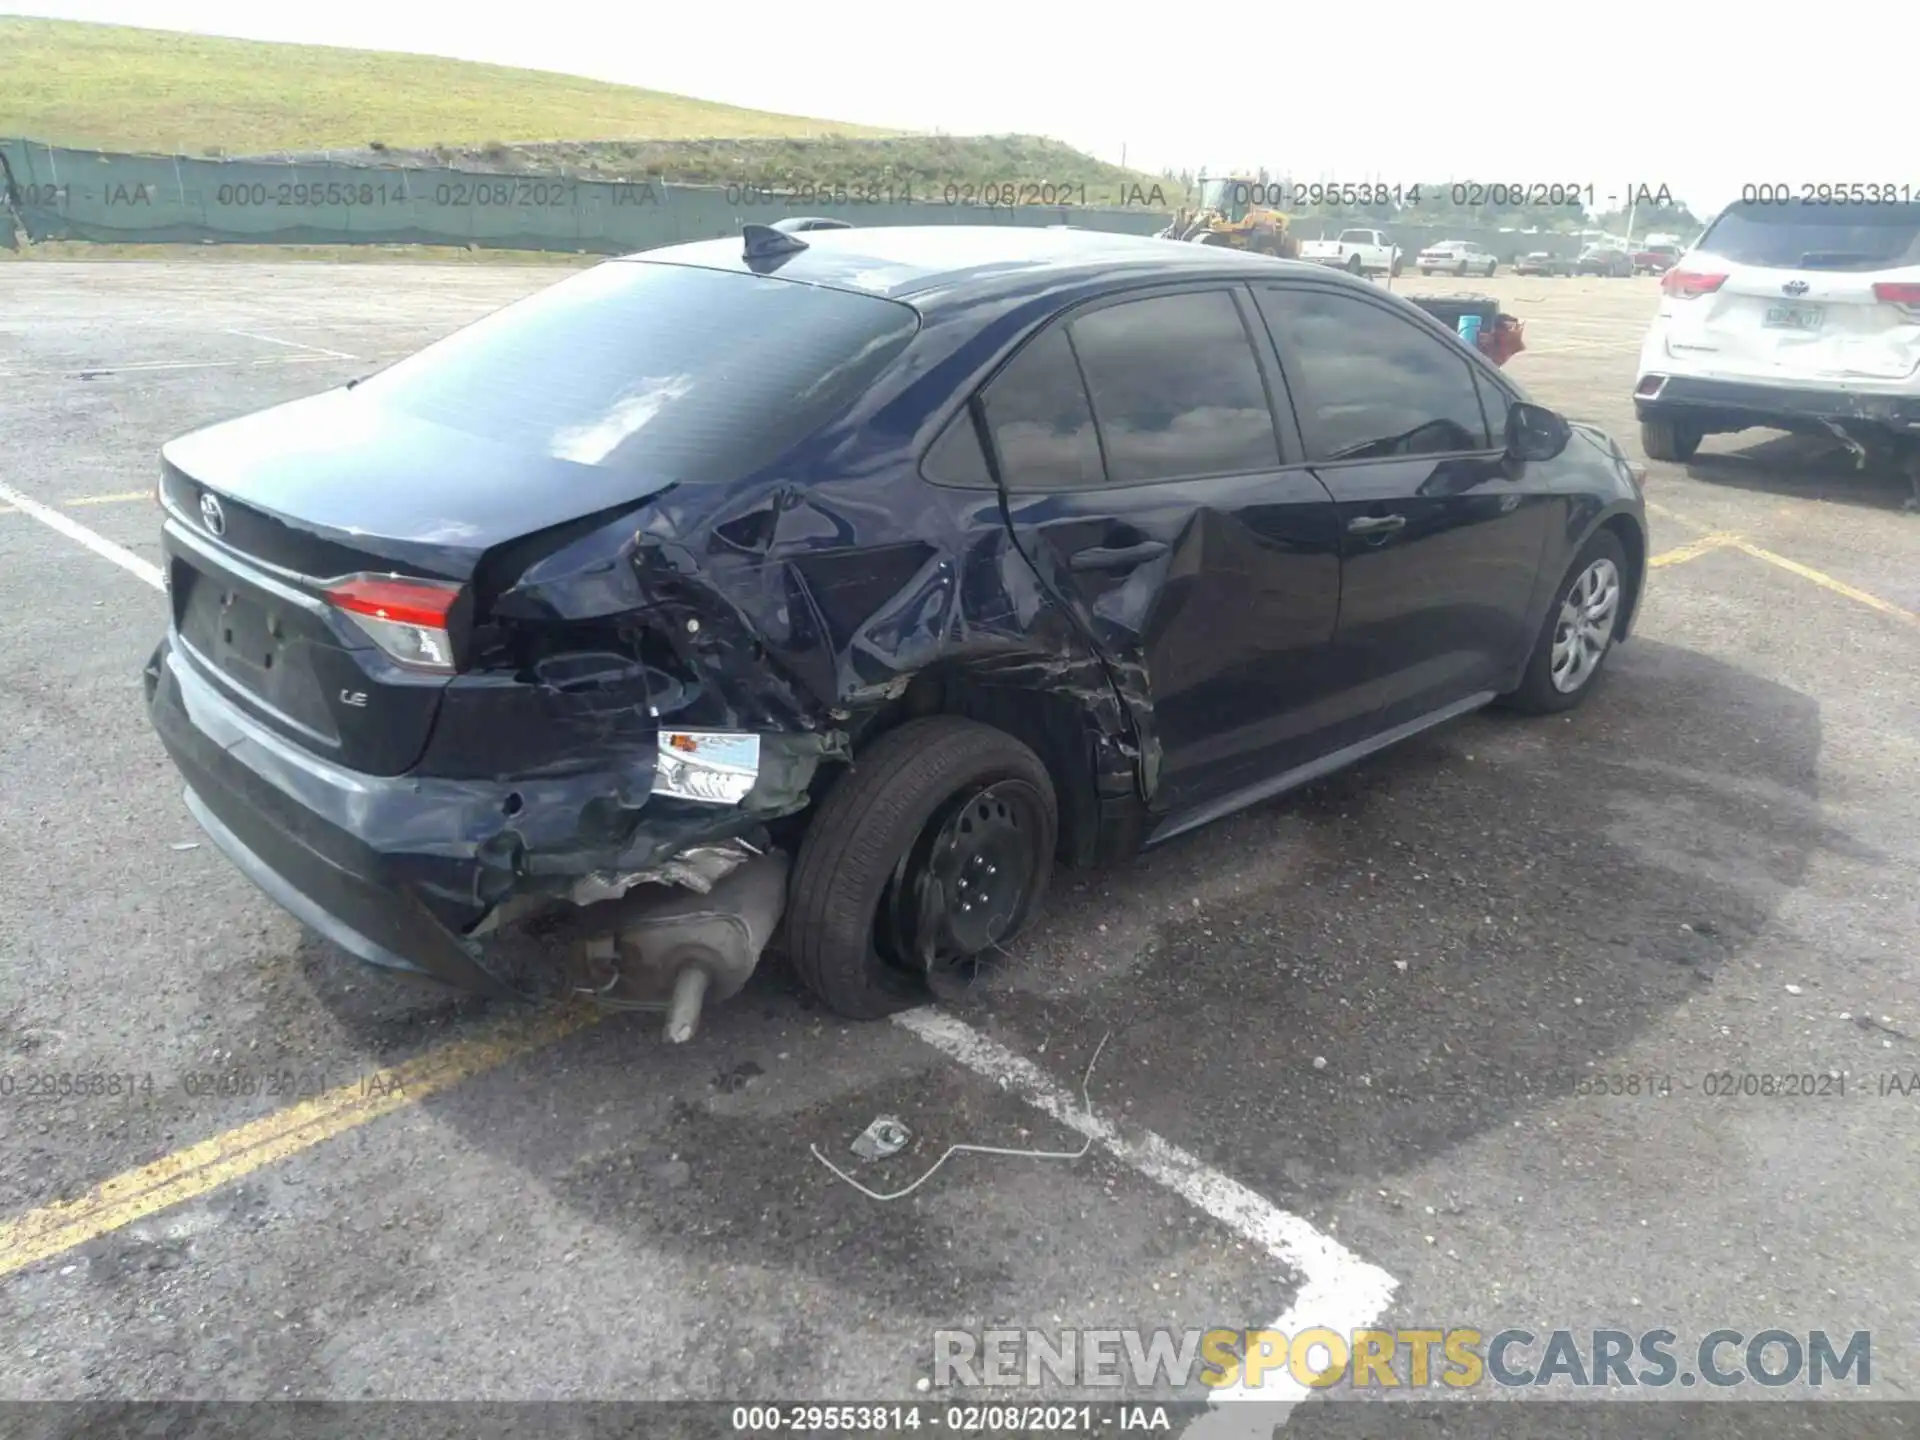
(1797,316)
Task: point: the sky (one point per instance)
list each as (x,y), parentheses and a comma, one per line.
(1702,97)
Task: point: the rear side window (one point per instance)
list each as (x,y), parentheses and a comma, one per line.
(1041,424)
(1797,236)
(956,457)
(1370,384)
(1176,390)
(695,375)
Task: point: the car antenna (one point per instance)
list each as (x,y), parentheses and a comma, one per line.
(763,242)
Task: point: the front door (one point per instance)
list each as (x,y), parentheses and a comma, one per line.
(1152,488)
(1442,533)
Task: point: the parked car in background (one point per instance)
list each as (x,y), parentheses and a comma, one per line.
(1543,262)
(1604,260)
(1800,317)
(1457,257)
(1359,252)
(844,583)
(800,224)
(1655,259)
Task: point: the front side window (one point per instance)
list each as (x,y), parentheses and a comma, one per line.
(1370,384)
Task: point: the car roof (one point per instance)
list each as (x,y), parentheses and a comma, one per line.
(900,262)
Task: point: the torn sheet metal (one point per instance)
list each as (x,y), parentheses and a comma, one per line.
(697,868)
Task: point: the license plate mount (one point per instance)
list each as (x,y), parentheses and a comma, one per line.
(1794,317)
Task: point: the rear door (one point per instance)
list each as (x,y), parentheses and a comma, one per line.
(1442,534)
(1158,496)
(1795,293)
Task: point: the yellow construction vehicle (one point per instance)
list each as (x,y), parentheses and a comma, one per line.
(1233,211)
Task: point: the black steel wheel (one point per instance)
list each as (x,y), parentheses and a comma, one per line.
(928,855)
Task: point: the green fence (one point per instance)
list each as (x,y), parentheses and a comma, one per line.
(91,195)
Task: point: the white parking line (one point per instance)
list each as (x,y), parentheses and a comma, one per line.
(1338,1289)
(291,344)
(80,534)
(152,366)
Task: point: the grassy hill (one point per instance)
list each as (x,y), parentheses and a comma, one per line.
(115,87)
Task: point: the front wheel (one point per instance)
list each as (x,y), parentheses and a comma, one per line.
(934,849)
(1578,634)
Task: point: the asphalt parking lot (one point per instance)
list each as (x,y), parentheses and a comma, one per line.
(1343,1032)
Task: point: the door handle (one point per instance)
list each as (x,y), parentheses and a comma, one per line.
(1376,524)
(1123,558)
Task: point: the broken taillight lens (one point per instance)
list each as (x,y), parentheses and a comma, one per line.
(406,618)
(1690,284)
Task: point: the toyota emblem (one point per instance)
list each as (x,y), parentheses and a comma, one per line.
(212,515)
(1794,287)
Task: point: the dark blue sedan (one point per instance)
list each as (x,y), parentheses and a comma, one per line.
(835,585)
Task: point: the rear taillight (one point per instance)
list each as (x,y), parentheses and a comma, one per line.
(1690,284)
(1897,292)
(405,618)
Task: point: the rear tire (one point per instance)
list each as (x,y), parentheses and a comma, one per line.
(903,793)
(1354,266)
(1492,265)
(1577,635)
(1670,440)
(1425,271)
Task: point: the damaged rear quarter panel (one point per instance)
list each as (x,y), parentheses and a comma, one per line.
(799,604)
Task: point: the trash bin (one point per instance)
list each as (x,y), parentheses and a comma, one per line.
(1448,309)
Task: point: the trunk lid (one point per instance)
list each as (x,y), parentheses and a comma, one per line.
(338,482)
(1791,324)
(1798,301)
(266,511)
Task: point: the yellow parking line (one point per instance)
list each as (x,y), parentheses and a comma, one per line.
(1827,582)
(1693,549)
(1792,567)
(124,497)
(186,1174)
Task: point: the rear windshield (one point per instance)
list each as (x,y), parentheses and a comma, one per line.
(686,374)
(1813,236)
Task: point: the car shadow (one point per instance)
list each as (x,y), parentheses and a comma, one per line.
(1807,467)
(1335,988)
(1313,996)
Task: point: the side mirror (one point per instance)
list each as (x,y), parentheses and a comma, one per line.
(1535,432)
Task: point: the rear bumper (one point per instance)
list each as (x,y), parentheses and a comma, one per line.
(321,841)
(399,870)
(1733,404)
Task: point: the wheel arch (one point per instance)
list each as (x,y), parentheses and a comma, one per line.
(1632,534)
(1094,769)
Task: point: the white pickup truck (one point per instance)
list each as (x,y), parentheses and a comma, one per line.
(1364,252)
